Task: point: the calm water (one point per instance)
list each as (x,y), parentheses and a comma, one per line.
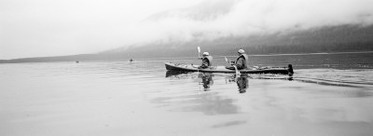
(330,95)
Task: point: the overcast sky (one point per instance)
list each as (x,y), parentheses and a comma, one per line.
(32,28)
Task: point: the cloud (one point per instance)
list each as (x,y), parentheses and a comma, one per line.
(49,28)
(214,19)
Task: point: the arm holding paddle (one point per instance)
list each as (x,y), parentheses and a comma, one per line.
(229,62)
(205,64)
(232,67)
(241,62)
(233,64)
(205,61)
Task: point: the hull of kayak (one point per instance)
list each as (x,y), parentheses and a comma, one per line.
(221,69)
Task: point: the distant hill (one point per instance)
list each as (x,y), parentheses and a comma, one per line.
(346,38)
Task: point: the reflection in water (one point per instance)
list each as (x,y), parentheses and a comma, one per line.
(206,103)
(241,80)
(242,83)
(174,73)
(187,100)
(114,98)
(207,81)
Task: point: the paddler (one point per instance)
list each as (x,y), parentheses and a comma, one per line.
(206,60)
(241,61)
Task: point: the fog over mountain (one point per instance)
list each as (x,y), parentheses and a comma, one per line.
(260,27)
(345,38)
(210,19)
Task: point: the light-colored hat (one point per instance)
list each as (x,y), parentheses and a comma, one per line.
(205,54)
(241,51)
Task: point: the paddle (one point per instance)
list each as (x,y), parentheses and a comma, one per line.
(226,60)
(199,55)
(199,52)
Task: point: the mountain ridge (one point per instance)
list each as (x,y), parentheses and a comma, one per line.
(344,38)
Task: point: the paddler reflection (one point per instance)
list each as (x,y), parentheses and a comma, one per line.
(207,81)
(242,83)
(241,80)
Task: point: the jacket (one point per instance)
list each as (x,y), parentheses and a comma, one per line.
(242,61)
(206,62)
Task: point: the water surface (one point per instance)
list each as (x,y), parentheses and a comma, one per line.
(323,98)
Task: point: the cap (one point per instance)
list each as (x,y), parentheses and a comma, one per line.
(205,54)
(241,51)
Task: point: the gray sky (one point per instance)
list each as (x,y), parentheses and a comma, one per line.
(32,28)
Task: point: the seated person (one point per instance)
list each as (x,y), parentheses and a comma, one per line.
(241,61)
(206,61)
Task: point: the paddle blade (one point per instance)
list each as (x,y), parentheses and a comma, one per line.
(199,52)
(226,59)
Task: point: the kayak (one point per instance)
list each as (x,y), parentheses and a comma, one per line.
(221,69)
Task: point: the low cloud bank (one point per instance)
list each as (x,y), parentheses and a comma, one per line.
(210,19)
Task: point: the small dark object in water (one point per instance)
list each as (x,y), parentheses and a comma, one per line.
(131,60)
(76,61)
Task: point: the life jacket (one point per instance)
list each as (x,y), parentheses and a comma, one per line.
(246,62)
(209,58)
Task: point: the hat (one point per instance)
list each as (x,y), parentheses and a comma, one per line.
(205,54)
(241,51)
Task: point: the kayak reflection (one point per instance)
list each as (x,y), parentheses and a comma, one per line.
(175,73)
(241,80)
(207,81)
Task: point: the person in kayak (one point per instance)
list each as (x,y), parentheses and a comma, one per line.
(241,61)
(206,61)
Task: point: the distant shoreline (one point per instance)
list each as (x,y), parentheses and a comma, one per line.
(321,53)
(287,54)
(96,57)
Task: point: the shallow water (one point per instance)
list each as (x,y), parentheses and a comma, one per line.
(140,98)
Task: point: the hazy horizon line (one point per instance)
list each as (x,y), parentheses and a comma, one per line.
(216,56)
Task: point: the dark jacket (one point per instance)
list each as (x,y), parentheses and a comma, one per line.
(206,62)
(242,61)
